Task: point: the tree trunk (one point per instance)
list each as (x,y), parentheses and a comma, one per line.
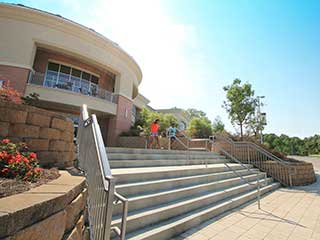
(241,132)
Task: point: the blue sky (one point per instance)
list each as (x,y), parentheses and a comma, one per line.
(188,50)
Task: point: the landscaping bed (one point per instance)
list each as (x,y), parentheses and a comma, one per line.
(14,186)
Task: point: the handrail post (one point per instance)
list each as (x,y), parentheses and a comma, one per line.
(290,177)
(258,183)
(248,150)
(124,219)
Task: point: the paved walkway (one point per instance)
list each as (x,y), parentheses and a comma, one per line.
(292,214)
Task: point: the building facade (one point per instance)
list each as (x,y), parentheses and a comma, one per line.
(68,65)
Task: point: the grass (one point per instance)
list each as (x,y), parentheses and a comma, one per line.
(315,155)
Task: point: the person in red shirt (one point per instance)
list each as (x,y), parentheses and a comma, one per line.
(154,137)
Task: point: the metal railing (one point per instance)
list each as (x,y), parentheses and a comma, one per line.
(190,140)
(71,83)
(93,161)
(249,152)
(243,179)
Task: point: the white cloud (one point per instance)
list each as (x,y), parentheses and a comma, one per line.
(165,49)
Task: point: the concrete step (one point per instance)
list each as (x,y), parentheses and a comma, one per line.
(171,195)
(145,187)
(149,216)
(147,156)
(164,162)
(198,149)
(178,224)
(111,150)
(131,175)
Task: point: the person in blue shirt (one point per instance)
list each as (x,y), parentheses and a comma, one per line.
(171,133)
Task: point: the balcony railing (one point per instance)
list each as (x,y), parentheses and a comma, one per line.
(71,83)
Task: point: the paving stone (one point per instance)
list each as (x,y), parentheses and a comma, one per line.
(289,214)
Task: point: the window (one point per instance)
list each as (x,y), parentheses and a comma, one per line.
(53,67)
(65,69)
(69,78)
(76,73)
(94,79)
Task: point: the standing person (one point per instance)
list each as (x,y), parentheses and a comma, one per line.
(171,133)
(154,133)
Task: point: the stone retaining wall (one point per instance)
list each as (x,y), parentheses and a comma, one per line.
(47,133)
(302,173)
(52,211)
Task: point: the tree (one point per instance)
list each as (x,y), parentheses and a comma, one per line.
(217,126)
(199,128)
(195,113)
(147,117)
(255,125)
(240,103)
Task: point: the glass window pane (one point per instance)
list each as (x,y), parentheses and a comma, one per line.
(76,72)
(53,67)
(51,79)
(76,84)
(65,69)
(94,79)
(63,82)
(85,87)
(86,76)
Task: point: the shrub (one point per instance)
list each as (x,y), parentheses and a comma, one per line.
(32,99)
(17,162)
(9,94)
(199,128)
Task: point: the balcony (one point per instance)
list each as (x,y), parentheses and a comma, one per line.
(68,95)
(53,79)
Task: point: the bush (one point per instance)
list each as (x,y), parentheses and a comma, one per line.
(9,94)
(32,99)
(146,118)
(17,162)
(199,128)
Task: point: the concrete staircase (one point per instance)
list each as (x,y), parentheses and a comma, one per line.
(171,191)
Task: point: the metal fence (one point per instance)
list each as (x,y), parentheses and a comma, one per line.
(93,161)
(72,84)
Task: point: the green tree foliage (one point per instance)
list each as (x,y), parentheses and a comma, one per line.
(199,128)
(240,103)
(147,117)
(195,113)
(293,145)
(217,125)
(255,126)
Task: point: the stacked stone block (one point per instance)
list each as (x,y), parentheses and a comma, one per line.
(49,134)
(55,210)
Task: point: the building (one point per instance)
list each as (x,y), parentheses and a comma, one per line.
(181,115)
(68,65)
